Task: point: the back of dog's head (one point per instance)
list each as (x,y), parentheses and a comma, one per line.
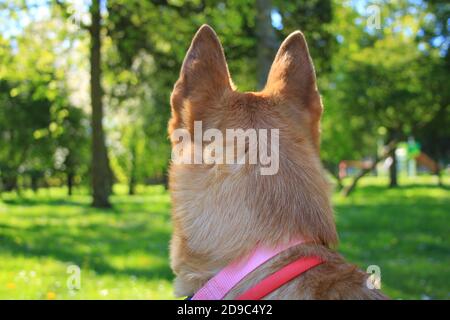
(296,197)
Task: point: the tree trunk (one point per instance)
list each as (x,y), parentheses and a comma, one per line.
(10,182)
(101,174)
(132,186)
(34,182)
(132,182)
(349,189)
(267,40)
(165,178)
(333,170)
(339,184)
(393,170)
(70,177)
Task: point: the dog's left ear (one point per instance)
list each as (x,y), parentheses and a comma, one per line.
(292,74)
(204,78)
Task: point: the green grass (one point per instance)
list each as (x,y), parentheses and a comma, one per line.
(405,231)
(123,253)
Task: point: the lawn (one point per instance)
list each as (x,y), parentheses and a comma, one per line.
(123,253)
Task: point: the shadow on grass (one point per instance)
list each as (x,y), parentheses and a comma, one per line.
(129,240)
(30,202)
(404,231)
(96,260)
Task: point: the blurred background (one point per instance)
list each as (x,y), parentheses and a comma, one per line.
(84,105)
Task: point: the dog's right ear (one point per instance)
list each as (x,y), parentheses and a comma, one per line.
(204,78)
(292,78)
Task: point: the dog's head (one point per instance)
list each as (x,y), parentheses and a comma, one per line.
(237,200)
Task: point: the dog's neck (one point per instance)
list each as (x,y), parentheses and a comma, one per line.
(221,214)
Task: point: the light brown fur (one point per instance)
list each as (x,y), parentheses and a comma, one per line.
(220,212)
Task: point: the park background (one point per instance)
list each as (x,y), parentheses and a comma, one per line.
(84,104)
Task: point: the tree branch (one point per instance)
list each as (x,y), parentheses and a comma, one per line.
(349,189)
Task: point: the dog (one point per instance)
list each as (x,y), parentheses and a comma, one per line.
(222,212)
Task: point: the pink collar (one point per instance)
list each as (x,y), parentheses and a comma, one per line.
(218,286)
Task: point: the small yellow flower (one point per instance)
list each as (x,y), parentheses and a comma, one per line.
(51,295)
(11,285)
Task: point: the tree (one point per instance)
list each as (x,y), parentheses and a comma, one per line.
(314,18)
(435,35)
(267,40)
(72,141)
(150,39)
(28,92)
(100,169)
(381,85)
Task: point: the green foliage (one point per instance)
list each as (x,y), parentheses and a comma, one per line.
(384,84)
(391,80)
(436,35)
(376,84)
(42,133)
(149,41)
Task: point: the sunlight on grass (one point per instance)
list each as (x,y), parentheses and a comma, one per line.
(405,231)
(123,252)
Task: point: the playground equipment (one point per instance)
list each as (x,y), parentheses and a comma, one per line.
(408,155)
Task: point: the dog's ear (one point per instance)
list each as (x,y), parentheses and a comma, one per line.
(292,74)
(292,80)
(204,78)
